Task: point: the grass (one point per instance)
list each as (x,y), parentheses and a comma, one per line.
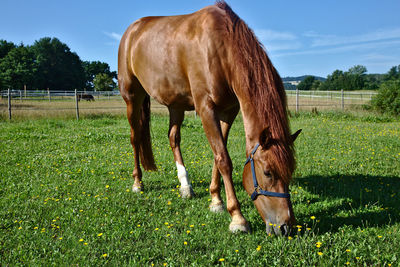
(65,196)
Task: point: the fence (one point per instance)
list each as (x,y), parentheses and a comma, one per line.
(56,103)
(333,100)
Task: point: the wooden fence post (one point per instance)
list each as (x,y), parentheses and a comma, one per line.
(9,104)
(342,99)
(297,100)
(76,105)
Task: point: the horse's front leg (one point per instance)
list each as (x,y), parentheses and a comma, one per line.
(223,163)
(226,120)
(174,134)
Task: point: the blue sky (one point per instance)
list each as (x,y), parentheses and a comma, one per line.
(301,37)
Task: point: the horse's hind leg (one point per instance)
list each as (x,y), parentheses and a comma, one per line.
(134,95)
(174,135)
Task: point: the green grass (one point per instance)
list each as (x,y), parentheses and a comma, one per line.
(65,196)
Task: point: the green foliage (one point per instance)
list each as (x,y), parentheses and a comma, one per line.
(58,67)
(388,98)
(307,83)
(18,68)
(393,74)
(66,198)
(353,79)
(92,68)
(48,63)
(5,47)
(104,82)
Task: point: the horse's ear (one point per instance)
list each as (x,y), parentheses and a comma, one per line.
(294,136)
(265,138)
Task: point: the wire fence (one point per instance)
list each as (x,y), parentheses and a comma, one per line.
(27,103)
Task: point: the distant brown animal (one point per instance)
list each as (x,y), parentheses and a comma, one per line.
(212,62)
(87,97)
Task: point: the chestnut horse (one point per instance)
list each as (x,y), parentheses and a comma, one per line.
(212,62)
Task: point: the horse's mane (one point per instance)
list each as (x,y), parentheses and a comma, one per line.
(256,74)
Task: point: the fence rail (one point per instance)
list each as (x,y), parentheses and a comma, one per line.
(51,102)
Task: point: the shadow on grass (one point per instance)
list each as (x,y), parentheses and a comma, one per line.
(355,200)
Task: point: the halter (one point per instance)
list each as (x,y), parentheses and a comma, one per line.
(257,188)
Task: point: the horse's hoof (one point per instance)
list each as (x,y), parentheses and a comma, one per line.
(236,227)
(186,191)
(217,207)
(137,189)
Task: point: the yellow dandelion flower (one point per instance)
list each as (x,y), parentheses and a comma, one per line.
(185,243)
(85,244)
(379,236)
(320,253)
(105,255)
(312,217)
(188,231)
(348,250)
(156,229)
(81,240)
(221,259)
(290,238)
(99,234)
(258,248)
(191,226)
(236,250)
(107,186)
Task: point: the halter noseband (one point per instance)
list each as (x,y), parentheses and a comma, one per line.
(257,188)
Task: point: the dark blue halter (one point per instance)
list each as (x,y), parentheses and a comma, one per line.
(257,188)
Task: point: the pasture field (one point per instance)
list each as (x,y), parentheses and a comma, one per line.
(65,196)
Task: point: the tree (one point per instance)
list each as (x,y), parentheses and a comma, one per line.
(58,67)
(18,68)
(393,74)
(307,83)
(388,98)
(104,82)
(353,79)
(92,68)
(5,47)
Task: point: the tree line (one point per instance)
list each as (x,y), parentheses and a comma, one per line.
(356,78)
(50,64)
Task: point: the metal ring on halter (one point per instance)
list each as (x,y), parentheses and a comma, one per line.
(257,189)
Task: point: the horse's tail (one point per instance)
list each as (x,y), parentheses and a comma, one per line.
(145,151)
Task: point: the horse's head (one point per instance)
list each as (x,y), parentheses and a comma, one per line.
(266,176)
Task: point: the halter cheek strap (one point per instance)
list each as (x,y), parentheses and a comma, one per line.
(257,188)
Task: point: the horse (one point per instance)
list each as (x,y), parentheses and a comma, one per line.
(87,97)
(210,61)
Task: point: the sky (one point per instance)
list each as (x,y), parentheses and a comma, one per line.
(301,37)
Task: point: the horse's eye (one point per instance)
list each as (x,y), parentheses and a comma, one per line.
(267,174)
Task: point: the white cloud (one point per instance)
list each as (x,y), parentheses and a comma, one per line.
(277,41)
(114,35)
(266,35)
(334,40)
(344,48)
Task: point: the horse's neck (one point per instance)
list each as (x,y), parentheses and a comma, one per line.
(252,124)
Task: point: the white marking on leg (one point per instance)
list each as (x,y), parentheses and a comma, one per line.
(186,189)
(182,175)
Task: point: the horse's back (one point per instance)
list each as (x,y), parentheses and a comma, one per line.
(171,55)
